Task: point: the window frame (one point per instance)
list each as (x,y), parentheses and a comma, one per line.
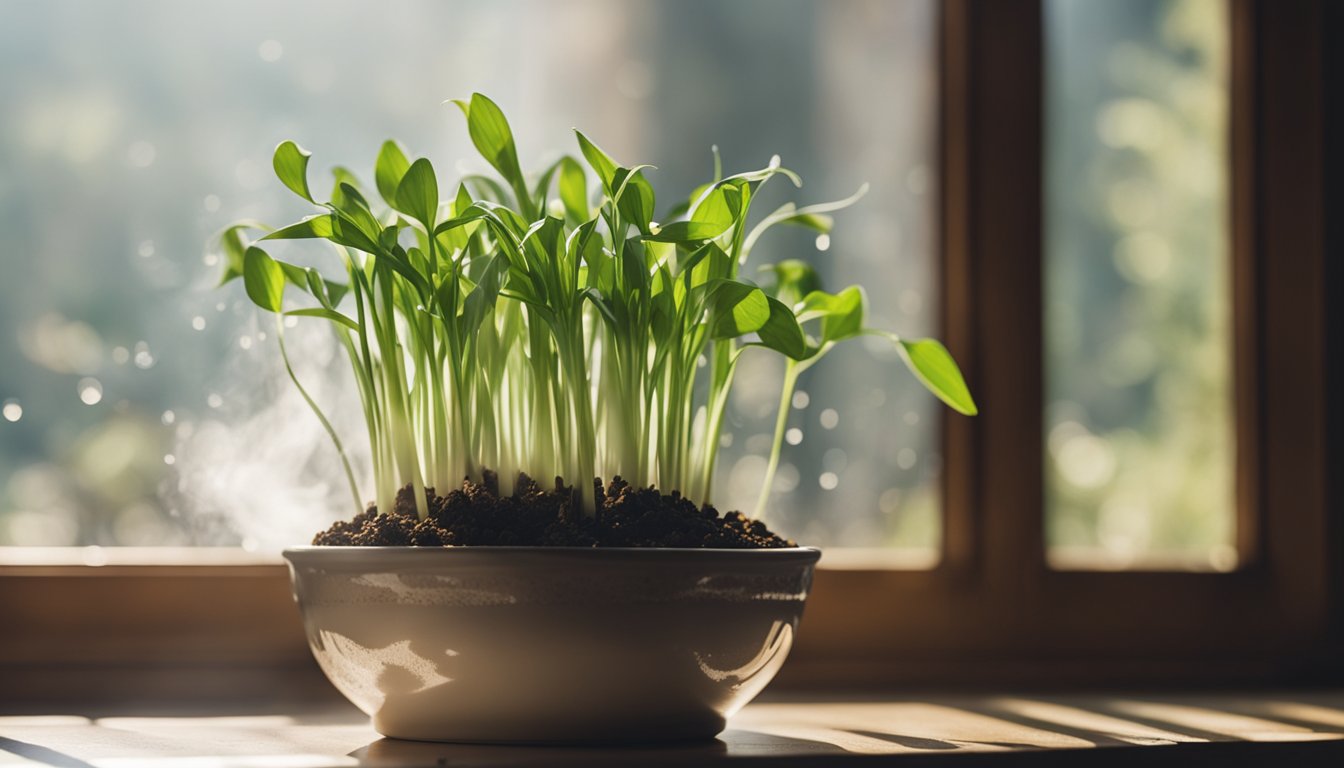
(991,611)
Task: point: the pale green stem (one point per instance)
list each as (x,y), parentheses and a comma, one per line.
(331,432)
(781,421)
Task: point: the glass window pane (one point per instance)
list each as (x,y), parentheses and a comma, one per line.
(1140,442)
(142,407)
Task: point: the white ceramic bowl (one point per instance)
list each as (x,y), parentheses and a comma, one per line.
(550,644)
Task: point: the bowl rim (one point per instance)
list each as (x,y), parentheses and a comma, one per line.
(311,552)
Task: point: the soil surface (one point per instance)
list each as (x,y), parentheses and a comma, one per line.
(478,515)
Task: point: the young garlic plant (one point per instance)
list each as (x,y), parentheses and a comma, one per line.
(550,325)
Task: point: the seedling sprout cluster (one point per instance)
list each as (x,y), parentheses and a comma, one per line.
(553,324)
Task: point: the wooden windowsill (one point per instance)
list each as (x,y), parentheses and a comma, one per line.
(1298,728)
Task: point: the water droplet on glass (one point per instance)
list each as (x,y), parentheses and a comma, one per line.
(794,436)
(828,481)
(701,361)
(220,307)
(877,397)
(144,359)
(121,355)
(912,418)
(823,242)
(140,154)
(169,459)
(245,342)
(890,501)
(261,335)
(829,418)
(835,459)
(214,400)
(726,439)
(11,410)
(168,417)
(905,459)
(198,323)
(146,249)
(801,399)
(270,50)
(211,203)
(210,259)
(90,391)
(290,322)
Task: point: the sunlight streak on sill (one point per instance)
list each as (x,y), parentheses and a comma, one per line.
(1096,559)
(119,556)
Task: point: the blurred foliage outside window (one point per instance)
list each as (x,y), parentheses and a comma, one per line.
(1140,446)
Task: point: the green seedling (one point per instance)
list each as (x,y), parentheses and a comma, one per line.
(549,324)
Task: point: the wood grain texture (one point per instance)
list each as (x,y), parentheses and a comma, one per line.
(991,610)
(995,730)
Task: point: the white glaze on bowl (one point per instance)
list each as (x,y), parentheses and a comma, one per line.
(537,644)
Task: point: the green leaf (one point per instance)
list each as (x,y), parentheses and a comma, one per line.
(234,245)
(400,262)
(794,279)
(634,197)
(311,227)
(344,177)
(418,193)
(486,188)
(389,169)
(295,275)
(573,189)
(263,279)
(714,212)
(326,314)
(328,292)
(352,204)
(933,365)
(595,298)
(348,233)
(714,208)
(685,232)
(462,201)
(291,165)
(544,185)
(493,139)
(782,333)
(601,163)
(736,309)
(841,314)
(481,301)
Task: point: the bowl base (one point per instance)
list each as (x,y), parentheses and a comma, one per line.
(679,730)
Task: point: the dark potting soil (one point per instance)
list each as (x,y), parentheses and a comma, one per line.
(478,515)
